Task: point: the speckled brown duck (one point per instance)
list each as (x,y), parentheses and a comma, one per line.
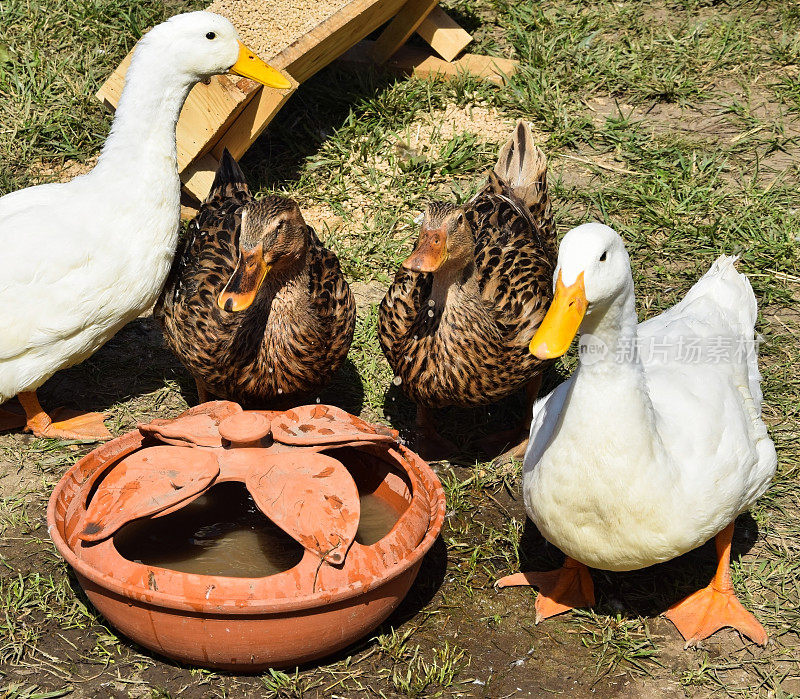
(456,322)
(255,307)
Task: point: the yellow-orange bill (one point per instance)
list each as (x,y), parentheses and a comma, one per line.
(562,321)
(248,65)
(430,253)
(241,289)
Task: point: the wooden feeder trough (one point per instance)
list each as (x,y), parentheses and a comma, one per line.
(301,39)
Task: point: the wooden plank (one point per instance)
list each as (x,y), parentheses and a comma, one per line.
(189,211)
(252,120)
(309,54)
(411,60)
(402,26)
(444,34)
(198,177)
(209,110)
(111,89)
(329,40)
(200,132)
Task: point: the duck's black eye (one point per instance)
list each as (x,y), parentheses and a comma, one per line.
(603,256)
(211,35)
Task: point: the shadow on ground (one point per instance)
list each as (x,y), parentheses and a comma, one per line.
(647,592)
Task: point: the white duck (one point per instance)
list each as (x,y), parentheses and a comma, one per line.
(81,259)
(648,450)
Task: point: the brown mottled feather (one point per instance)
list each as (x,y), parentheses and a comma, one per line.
(475,351)
(293,337)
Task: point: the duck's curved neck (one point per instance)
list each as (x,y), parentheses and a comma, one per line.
(608,340)
(610,383)
(142,138)
(454,286)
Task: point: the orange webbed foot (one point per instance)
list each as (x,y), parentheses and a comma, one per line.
(88,427)
(559,590)
(705,612)
(715,606)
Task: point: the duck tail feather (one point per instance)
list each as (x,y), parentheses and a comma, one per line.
(522,168)
(229,177)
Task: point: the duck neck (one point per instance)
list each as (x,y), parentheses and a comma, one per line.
(610,383)
(608,339)
(286,288)
(454,286)
(142,138)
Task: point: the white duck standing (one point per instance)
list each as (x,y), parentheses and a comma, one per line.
(81,259)
(648,450)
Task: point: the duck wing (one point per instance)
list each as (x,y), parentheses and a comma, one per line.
(51,285)
(331,299)
(515,238)
(701,367)
(717,316)
(400,307)
(209,245)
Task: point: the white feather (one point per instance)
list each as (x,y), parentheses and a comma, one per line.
(85,257)
(633,462)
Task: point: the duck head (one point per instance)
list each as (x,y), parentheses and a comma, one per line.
(446,241)
(273,238)
(593,271)
(202,44)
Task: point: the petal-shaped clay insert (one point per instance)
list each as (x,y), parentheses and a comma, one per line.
(326,424)
(198,425)
(144,483)
(312,497)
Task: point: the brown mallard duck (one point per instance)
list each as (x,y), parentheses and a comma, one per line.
(456,322)
(255,307)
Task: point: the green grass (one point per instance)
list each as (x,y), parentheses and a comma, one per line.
(675,122)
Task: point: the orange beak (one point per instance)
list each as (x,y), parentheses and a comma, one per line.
(430,253)
(248,65)
(562,321)
(241,289)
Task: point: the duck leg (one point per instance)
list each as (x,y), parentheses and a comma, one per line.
(84,426)
(559,590)
(518,435)
(710,609)
(430,445)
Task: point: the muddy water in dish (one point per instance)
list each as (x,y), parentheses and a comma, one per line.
(224,533)
(377,519)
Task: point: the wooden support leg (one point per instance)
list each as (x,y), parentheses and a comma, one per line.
(444,34)
(413,60)
(398,31)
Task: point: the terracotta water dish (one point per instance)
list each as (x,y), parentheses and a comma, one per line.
(306,471)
